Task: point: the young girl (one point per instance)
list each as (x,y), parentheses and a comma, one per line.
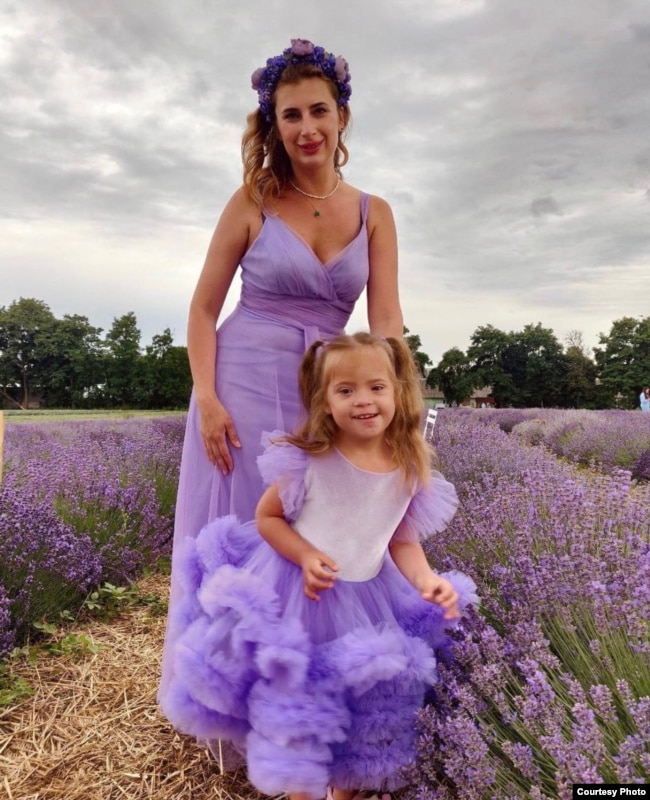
(311,647)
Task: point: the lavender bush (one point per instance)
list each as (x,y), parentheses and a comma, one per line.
(7,631)
(506,418)
(44,564)
(609,439)
(551,681)
(641,469)
(82,503)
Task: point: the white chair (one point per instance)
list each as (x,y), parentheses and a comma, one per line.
(430,423)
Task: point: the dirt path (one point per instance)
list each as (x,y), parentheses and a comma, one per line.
(92,730)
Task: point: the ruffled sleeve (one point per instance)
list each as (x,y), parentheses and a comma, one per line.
(286,465)
(429,511)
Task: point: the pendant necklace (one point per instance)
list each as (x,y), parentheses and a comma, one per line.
(316,196)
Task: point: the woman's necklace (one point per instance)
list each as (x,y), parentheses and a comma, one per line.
(316,196)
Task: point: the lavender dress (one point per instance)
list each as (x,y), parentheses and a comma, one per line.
(288,299)
(312,693)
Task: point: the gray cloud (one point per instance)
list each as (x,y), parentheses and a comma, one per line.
(543,206)
(510,139)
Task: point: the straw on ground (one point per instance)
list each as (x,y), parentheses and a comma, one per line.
(92,730)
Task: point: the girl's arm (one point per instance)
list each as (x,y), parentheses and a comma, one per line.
(317,568)
(411,561)
(384,311)
(230,241)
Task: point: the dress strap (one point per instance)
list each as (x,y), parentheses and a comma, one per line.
(365,204)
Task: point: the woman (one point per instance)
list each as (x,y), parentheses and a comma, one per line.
(307,244)
(644,399)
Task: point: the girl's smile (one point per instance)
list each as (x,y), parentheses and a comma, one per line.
(361,396)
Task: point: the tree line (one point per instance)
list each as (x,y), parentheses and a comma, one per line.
(69,363)
(532,369)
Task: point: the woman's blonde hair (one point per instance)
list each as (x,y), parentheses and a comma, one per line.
(267,168)
(404,434)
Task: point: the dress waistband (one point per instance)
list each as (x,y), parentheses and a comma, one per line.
(306,314)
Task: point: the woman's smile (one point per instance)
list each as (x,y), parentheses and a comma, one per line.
(308,121)
(311,147)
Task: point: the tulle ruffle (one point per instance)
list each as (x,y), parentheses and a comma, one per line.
(284,464)
(308,709)
(429,512)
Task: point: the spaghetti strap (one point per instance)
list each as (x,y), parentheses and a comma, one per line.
(365,205)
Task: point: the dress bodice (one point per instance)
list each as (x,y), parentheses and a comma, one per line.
(351,514)
(282,277)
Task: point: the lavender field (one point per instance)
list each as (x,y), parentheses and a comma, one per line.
(81,503)
(549,683)
(606,440)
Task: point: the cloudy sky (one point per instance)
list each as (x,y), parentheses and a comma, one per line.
(511,137)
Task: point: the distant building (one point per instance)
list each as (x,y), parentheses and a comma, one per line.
(481,398)
(434,398)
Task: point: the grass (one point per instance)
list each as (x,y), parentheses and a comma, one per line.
(65,414)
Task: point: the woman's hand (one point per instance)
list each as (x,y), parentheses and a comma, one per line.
(217,430)
(318,573)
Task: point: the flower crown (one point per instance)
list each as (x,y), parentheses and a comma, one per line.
(265,79)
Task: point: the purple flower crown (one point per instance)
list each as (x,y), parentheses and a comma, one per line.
(265,79)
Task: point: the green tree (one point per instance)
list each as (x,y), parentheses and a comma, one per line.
(453,376)
(124,365)
(167,371)
(73,362)
(544,367)
(524,368)
(24,328)
(580,388)
(623,360)
(414,344)
(491,356)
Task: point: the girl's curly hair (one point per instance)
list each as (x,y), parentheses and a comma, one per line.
(404,435)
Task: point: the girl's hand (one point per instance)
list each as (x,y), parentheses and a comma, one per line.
(318,573)
(217,429)
(441,592)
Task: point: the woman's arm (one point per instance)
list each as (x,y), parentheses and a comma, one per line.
(384,311)
(230,241)
(317,568)
(411,561)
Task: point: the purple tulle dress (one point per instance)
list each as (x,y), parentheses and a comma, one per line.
(288,299)
(312,693)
